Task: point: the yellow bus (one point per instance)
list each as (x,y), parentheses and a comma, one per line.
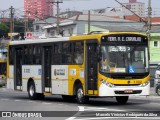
(3,65)
(80,67)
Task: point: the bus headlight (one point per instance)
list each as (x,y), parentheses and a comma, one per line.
(144,84)
(107,83)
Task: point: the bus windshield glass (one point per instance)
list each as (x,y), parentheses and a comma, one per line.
(124,59)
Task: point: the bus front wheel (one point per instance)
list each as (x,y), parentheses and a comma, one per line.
(158,90)
(122,99)
(80,95)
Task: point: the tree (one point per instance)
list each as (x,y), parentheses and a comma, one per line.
(4,30)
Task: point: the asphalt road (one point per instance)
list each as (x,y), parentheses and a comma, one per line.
(54,107)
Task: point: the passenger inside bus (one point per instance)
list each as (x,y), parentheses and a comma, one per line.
(105,65)
(78,59)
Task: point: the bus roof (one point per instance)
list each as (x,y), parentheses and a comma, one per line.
(99,35)
(78,37)
(32,41)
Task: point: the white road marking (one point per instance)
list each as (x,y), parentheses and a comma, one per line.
(60,104)
(90,109)
(85,108)
(45,103)
(17,100)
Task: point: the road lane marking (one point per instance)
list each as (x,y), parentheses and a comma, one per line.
(60,104)
(17,100)
(91,109)
(87,108)
(45,103)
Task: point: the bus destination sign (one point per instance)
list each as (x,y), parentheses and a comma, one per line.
(124,39)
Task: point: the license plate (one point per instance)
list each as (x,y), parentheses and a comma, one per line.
(128,91)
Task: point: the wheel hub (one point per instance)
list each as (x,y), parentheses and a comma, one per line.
(31,90)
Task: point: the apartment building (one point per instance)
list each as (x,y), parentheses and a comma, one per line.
(136,7)
(38,9)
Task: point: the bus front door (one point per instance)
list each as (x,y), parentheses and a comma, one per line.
(18,69)
(46,69)
(91,68)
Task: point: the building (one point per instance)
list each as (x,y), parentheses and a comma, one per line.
(39,24)
(40,9)
(119,12)
(136,7)
(69,14)
(78,24)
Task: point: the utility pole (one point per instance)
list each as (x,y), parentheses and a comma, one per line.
(89,20)
(26,21)
(149,18)
(57,4)
(149,24)
(11,22)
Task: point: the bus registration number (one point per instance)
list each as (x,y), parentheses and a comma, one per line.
(128,91)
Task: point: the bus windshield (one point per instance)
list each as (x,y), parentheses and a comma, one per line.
(124,59)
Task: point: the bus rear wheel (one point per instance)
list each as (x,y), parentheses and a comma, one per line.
(122,99)
(80,95)
(32,91)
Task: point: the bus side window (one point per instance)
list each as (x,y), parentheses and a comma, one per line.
(25,55)
(78,53)
(67,53)
(57,54)
(37,55)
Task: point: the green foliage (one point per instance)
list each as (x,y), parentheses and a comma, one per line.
(19,27)
(4,29)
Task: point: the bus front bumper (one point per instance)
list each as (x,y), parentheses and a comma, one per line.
(105,90)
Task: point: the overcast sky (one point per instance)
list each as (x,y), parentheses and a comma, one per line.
(81,4)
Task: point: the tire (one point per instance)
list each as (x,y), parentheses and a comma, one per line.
(32,91)
(158,90)
(122,99)
(81,99)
